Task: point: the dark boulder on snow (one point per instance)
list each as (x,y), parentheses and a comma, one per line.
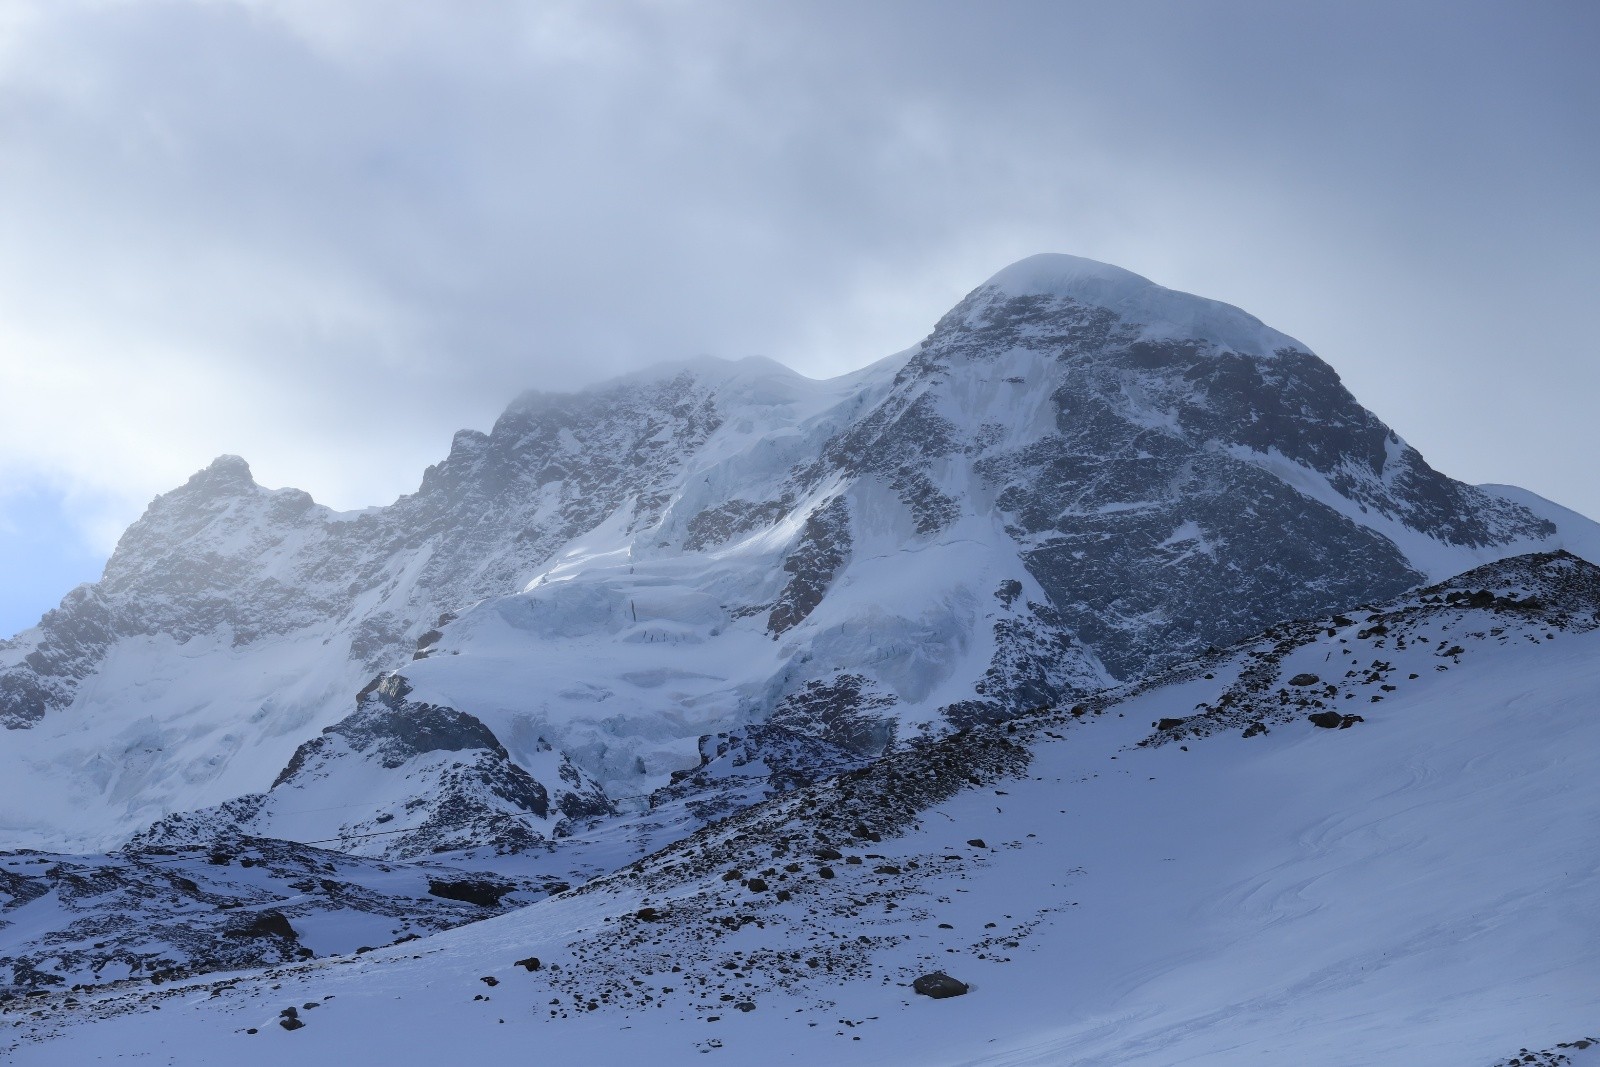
(1328,720)
(938,985)
(269,923)
(483,892)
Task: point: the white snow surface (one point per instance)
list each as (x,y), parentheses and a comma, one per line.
(1576,533)
(163,727)
(1163,313)
(1420,889)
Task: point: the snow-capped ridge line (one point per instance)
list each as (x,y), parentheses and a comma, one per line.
(620,571)
(1161,313)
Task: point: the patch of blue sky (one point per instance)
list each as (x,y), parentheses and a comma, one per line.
(44,553)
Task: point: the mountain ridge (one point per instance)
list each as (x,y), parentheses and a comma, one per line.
(1043,498)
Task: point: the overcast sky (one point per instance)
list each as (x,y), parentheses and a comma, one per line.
(325,234)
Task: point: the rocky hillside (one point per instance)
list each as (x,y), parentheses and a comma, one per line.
(1087,884)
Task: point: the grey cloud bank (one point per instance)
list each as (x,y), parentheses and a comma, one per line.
(326,235)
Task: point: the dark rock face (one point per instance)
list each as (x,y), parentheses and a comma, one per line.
(845,712)
(478,799)
(1037,663)
(898,441)
(394,730)
(72,639)
(722,523)
(824,546)
(938,985)
(1144,516)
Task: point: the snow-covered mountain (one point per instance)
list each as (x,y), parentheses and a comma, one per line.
(1078,478)
(1198,868)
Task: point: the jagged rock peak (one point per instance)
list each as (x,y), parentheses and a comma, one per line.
(1159,312)
(225,474)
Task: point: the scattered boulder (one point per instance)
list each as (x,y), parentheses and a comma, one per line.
(1304,679)
(479,891)
(977,842)
(268,923)
(1328,720)
(1169,724)
(939,985)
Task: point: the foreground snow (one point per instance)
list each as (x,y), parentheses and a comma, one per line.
(1419,889)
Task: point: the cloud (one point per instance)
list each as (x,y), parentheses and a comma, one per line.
(325,235)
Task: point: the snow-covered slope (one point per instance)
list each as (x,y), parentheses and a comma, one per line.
(154,914)
(403,779)
(1416,888)
(1078,478)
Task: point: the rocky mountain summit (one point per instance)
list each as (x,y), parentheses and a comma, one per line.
(1077,479)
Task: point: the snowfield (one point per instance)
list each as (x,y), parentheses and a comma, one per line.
(1419,888)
